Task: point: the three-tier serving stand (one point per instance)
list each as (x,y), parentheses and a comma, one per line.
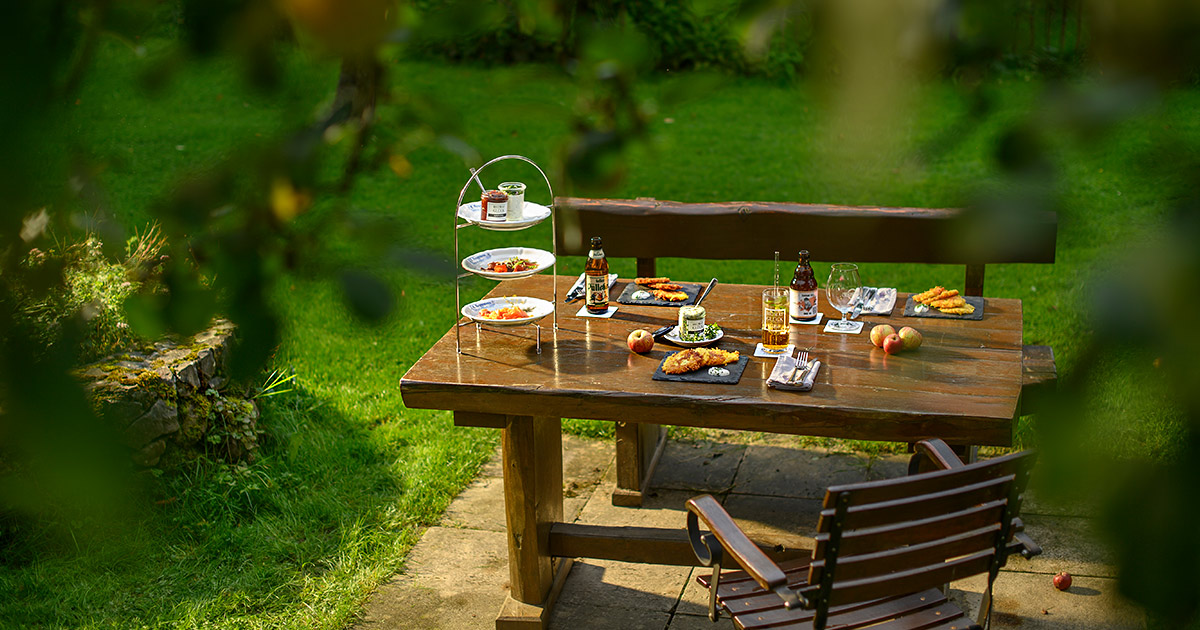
(460,222)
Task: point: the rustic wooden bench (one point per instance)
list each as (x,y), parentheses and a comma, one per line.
(648,229)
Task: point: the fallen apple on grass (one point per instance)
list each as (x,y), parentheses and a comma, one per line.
(640,341)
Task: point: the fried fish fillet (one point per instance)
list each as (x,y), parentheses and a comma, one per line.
(932,294)
(666,286)
(694,359)
(669,296)
(714,356)
(650,280)
(953,302)
(965,309)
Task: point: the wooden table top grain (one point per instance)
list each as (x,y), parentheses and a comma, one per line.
(963,385)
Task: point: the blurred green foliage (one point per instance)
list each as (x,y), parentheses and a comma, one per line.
(239,223)
(679,36)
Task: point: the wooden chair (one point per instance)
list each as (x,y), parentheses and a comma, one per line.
(884,550)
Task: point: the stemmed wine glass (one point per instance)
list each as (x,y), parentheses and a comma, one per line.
(841,289)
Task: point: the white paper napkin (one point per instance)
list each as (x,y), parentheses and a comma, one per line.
(783,369)
(885,301)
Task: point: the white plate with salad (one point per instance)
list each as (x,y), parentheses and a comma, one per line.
(712,333)
(507,311)
(533,214)
(508,263)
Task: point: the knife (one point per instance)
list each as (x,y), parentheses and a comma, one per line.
(868,294)
(575,293)
(699,298)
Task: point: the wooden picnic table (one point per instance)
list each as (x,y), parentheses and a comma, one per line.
(963,386)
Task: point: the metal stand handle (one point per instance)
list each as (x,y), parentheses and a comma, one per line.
(553,244)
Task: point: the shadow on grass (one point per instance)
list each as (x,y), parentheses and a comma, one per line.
(296,538)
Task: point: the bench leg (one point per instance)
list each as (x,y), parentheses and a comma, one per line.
(639,447)
(531,452)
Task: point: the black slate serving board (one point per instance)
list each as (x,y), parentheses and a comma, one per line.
(702,375)
(692,290)
(977,302)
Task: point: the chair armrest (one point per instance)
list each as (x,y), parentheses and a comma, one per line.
(734,541)
(938,452)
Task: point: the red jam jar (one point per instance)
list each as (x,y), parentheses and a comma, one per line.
(493,206)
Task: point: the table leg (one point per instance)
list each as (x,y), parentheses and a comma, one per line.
(639,447)
(531,449)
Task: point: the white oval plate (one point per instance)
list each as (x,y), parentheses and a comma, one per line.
(536,308)
(673,337)
(533,214)
(477,263)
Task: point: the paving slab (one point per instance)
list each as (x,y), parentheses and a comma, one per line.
(682,621)
(770,519)
(1069,543)
(660,508)
(588,617)
(701,467)
(887,466)
(453,579)
(481,504)
(624,585)
(1029,601)
(694,600)
(799,473)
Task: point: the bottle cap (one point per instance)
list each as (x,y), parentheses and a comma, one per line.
(803,253)
(595,241)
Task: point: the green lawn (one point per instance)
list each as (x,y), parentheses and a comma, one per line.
(347,476)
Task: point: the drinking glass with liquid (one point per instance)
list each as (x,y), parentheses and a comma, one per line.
(775,319)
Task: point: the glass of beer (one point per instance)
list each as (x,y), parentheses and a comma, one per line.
(775,319)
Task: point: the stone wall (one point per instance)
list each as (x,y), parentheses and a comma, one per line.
(170,402)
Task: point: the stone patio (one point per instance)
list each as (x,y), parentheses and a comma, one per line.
(457,576)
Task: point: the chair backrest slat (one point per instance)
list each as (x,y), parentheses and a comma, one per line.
(864,565)
(926,483)
(898,536)
(921,506)
(913,532)
(910,581)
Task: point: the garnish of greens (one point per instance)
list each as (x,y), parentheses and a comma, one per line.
(710,332)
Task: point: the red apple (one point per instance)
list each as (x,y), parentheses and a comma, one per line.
(893,344)
(879,332)
(911,338)
(1062,581)
(640,341)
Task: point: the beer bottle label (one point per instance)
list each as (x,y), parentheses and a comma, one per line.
(803,304)
(597,289)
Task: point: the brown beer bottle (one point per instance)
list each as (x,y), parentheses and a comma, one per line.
(803,294)
(595,287)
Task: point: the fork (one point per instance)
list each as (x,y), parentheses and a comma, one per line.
(867,296)
(801,359)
